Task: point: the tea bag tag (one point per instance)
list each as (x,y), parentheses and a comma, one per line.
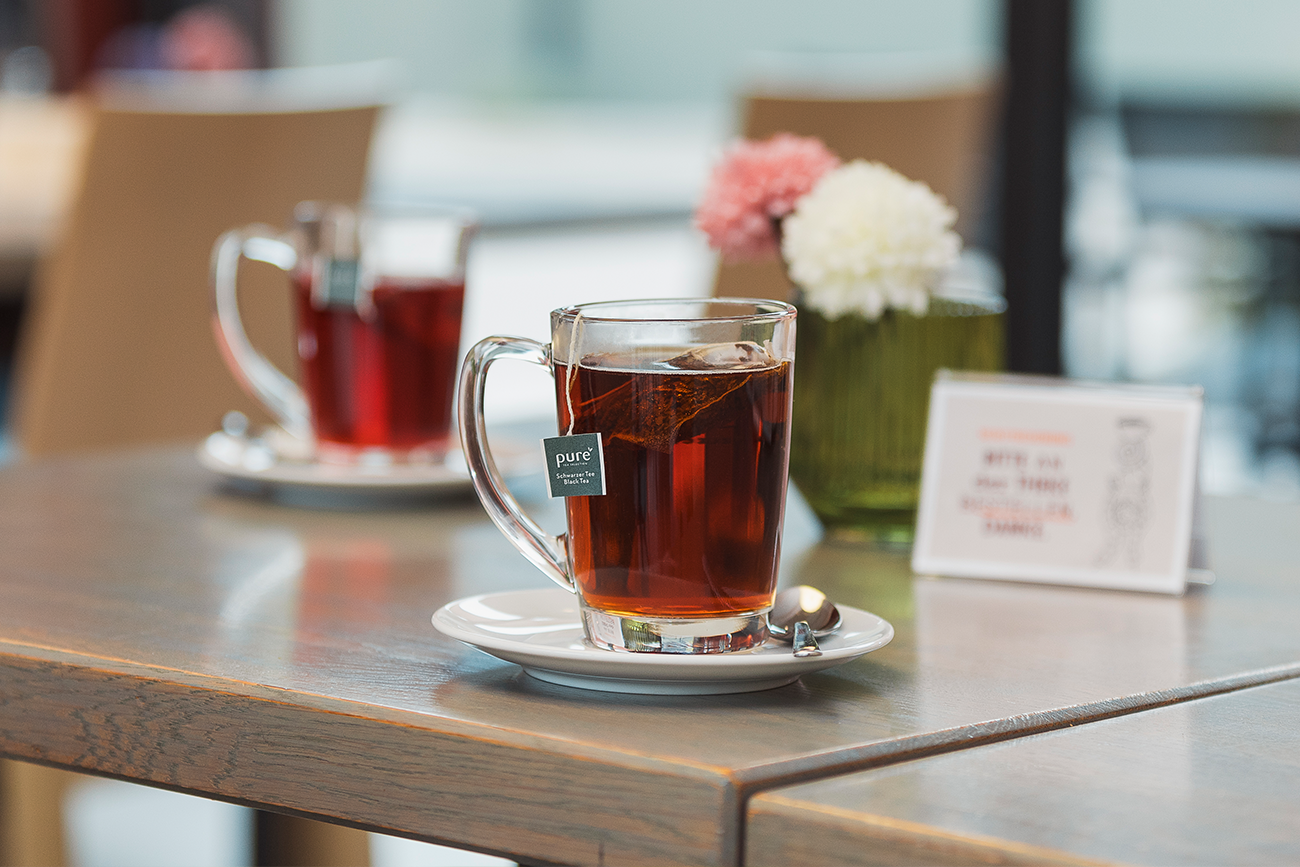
(339,284)
(575,465)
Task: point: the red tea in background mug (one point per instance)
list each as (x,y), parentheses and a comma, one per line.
(385,380)
(378,297)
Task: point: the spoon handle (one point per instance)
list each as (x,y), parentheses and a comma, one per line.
(804,642)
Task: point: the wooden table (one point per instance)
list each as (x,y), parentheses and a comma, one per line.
(1213,781)
(158,628)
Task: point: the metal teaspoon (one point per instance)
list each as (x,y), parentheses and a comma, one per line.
(799,616)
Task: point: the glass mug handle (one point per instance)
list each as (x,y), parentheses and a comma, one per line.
(546,552)
(260,378)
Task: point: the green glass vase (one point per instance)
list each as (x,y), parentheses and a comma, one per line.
(861,396)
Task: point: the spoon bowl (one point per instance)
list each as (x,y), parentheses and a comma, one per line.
(802,605)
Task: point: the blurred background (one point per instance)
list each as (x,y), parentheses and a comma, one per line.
(583,131)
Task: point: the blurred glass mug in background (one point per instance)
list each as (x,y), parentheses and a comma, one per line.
(378,297)
(690,400)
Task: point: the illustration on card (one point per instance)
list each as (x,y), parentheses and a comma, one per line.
(1128,496)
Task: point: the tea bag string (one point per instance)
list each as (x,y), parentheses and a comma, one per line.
(572,368)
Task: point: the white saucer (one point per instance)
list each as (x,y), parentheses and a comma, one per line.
(277,460)
(541,631)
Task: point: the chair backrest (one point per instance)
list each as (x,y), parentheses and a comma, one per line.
(117,346)
(941,134)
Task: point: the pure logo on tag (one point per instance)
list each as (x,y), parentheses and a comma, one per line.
(575,465)
(338,284)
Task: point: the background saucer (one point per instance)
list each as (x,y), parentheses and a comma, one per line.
(541,631)
(275,461)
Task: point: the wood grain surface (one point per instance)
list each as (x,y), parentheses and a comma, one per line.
(1212,781)
(159,627)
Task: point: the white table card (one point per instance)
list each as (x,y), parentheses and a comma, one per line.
(1048,480)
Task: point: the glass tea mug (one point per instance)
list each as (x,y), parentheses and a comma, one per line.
(679,411)
(378,297)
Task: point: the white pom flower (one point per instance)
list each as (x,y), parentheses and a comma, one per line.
(865,239)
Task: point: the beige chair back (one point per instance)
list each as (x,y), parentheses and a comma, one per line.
(943,138)
(117,347)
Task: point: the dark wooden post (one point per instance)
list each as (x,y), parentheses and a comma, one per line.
(1039,89)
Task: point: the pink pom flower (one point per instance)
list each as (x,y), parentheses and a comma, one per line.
(753,187)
